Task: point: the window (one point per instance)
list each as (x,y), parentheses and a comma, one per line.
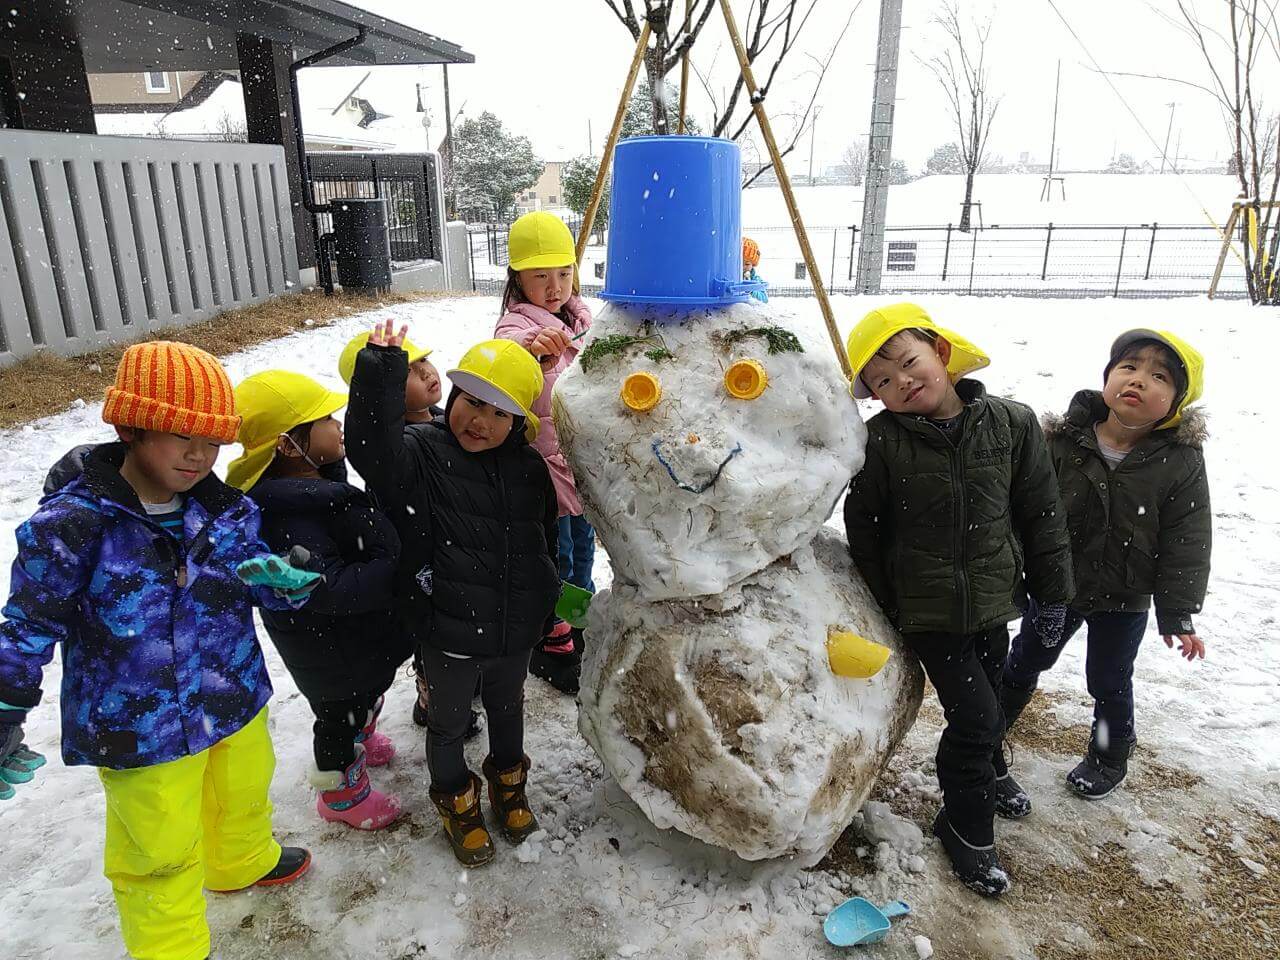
(157,81)
(551,199)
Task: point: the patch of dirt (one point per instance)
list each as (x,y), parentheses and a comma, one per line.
(47,383)
(843,860)
(721,692)
(1239,918)
(361,889)
(1039,728)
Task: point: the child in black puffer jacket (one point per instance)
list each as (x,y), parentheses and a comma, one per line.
(478,575)
(343,650)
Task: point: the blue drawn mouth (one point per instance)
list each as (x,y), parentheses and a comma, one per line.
(694,487)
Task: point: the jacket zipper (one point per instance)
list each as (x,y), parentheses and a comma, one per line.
(505,596)
(957,497)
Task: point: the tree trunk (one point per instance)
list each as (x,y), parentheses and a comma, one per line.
(657,90)
(968,201)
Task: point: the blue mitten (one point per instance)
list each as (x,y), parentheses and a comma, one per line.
(279,574)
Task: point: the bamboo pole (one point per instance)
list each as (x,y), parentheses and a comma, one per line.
(1226,245)
(684,68)
(602,174)
(757,104)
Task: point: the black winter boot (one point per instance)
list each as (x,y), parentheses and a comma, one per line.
(558,659)
(1012,802)
(293,863)
(978,868)
(1100,772)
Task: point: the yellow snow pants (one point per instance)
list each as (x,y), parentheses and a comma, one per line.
(200,821)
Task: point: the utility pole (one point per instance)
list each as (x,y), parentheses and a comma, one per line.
(591,147)
(1164,154)
(1046,191)
(448,145)
(813,133)
(875,193)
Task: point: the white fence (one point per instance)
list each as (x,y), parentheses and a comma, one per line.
(110,238)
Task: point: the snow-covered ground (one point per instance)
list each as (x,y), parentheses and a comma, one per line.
(602,882)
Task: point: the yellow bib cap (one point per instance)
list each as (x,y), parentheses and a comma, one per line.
(879,326)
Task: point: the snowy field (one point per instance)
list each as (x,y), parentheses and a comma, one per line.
(602,882)
(1011,253)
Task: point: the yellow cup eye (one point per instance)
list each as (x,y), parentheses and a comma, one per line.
(746,379)
(641,391)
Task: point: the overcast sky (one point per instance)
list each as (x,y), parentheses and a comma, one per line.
(549,70)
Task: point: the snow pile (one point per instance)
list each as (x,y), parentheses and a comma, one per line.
(706,688)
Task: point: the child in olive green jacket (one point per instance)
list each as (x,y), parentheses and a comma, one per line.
(1131,472)
(953,516)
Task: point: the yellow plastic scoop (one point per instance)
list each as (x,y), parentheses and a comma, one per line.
(853,656)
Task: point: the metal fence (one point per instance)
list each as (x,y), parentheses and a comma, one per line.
(1045,260)
(487,246)
(1050,260)
(408,181)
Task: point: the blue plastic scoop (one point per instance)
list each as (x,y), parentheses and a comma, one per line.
(857,921)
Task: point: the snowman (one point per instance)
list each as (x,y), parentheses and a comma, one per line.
(739,682)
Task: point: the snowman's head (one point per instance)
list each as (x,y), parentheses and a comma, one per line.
(705,443)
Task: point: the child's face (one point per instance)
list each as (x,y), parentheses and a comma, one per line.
(479,426)
(422,389)
(909,375)
(167,463)
(1140,390)
(326,444)
(548,288)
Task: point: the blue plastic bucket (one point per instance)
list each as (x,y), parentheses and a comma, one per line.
(675,223)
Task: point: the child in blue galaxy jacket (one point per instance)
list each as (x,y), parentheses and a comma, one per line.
(139,566)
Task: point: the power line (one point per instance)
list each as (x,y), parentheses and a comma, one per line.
(1133,113)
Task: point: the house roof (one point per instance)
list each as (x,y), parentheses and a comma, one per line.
(120,36)
(223,110)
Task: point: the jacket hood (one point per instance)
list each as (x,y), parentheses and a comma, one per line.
(96,467)
(294,495)
(68,468)
(517,438)
(1190,427)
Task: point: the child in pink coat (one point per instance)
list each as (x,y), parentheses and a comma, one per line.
(541,311)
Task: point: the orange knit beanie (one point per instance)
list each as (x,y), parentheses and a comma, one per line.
(173,388)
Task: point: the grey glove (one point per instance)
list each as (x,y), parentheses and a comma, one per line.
(1048,623)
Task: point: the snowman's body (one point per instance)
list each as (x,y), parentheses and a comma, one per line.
(706,689)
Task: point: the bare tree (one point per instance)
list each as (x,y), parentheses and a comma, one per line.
(965,78)
(773,29)
(854,161)
(672,35)
(1240,46)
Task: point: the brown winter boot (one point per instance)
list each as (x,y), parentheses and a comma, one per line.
(506,796)
(464,824)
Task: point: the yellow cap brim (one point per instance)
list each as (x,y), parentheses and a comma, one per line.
(966,358)
(543,261)
(482,388)
(247,469)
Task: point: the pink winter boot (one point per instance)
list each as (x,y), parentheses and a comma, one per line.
(378,748)
(346,796)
